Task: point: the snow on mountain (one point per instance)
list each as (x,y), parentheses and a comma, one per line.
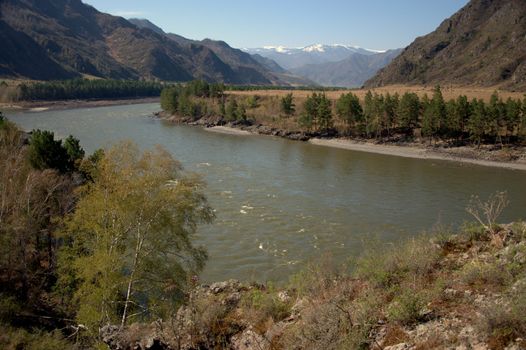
(294,57)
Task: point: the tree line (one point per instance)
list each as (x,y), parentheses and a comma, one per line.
(89,241)
(376,116)
(458,119)
(86,89)
(184,98)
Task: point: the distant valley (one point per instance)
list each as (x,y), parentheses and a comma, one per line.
(329,65)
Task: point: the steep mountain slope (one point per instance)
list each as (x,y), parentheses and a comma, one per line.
(69,38)
(482,44)
(290,58)
(351,72)
(252,67)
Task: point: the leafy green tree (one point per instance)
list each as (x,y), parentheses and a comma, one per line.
(169,98)
(349,110)
(129,242)
(287,105)
(408,111)
(45,152)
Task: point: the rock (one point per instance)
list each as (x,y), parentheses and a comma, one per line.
(401,346)
(249,340)
(298,307)
(220,287)
(284,296)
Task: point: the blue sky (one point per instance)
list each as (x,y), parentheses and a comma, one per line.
(374,24)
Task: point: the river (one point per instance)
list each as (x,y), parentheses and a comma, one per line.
(280,203)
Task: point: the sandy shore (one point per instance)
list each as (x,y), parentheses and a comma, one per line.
(411,152)
(228,130)
(39,106)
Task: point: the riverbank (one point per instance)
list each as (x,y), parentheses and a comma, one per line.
(463,154)
(451,291)
(39,106)
(486,155)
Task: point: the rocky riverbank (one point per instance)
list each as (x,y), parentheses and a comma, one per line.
(485,155)
(450,291)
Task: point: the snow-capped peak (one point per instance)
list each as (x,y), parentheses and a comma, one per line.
(314,48)
(281,49)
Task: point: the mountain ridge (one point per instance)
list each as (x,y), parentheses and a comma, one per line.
(71,39)
(483,44)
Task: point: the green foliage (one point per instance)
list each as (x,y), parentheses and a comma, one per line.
(15,339)
(268,304)
(253,101)
(137,263)
(348,109)
(287,105)
(45,152)
(408,111)
(406,307)
(505,323)
(231,110)
(85,89)
(74,150)
(477,121)
(169,97)
(318,112)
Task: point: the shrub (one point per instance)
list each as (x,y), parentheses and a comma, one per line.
(406,307)
(504,323)
(484,274)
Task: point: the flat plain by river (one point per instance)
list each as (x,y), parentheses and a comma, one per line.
(281,203)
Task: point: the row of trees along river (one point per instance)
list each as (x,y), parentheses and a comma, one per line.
(376,116)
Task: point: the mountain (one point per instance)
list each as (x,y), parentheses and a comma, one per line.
(290,58)
(59,39)
(350,72)
(482,44)
(242,61)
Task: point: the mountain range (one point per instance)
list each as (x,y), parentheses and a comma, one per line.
(483,44)
(61,39)
(328,65)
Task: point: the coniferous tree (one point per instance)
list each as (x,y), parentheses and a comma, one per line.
(349,110)
(287,105)
(408,111)
(477,121)
(368,112)
(324,112)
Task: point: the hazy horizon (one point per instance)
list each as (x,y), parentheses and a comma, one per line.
(292,24)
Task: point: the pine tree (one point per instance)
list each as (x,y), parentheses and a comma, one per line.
(324,111)
(408,111)
(287,105)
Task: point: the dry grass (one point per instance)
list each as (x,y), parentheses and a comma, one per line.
(449,92)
